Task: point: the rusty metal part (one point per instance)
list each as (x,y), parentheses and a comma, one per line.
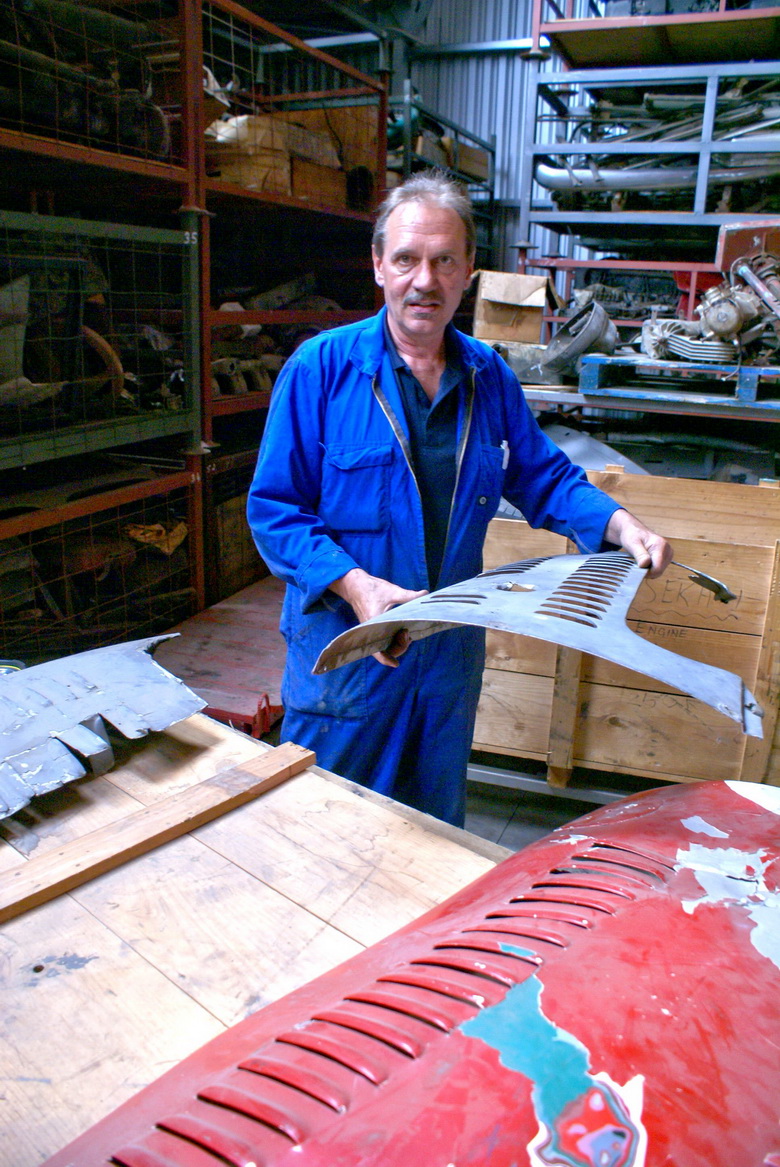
(579,601)
(53,715)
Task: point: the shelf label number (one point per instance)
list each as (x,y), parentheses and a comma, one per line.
(191,238)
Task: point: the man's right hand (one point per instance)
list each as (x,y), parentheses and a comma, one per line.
(370,596)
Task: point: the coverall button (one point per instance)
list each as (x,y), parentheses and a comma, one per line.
(482,500)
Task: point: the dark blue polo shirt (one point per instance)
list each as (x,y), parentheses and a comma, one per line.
(433,435)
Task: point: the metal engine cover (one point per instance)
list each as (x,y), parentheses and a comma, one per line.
(607,997)
(579,601)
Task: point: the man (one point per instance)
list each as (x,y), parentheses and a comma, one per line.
(387,448)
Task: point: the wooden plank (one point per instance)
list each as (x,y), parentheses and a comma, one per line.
(766,685)
(218,932)
(86,1023)
(629,730)
(563,715)
(726,650)
(519,654)
(111,985)
(73,864)
(685,508)
(510,540)
(184,755)
(674,599)
(360,864)
(513,715)
(670,737)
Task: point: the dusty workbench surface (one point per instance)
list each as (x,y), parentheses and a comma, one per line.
(106,987)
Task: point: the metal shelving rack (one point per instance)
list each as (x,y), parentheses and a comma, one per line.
(277,76)
(74,176)
(558,91)
(683,52)
(412,112)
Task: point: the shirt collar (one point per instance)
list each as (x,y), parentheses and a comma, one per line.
(451,350)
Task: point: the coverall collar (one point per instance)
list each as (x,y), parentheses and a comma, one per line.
(369,350)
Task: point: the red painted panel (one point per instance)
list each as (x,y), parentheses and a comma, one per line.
(609,997)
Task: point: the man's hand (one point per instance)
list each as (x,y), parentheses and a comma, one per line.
(648,549)
(371,596)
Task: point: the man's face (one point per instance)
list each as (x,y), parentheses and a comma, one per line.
(424,270)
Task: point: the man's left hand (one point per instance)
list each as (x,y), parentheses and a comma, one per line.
(648,548)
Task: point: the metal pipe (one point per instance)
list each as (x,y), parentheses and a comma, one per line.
(656,178)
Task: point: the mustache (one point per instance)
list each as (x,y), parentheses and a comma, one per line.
(418,298)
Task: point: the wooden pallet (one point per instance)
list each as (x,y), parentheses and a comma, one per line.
(570,709)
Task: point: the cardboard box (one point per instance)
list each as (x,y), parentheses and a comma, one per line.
(510,307)
(272,132)
(469,160)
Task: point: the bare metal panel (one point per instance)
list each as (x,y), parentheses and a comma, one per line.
(52,716)
(579,601)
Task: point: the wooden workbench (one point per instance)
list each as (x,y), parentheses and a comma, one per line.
(105,988)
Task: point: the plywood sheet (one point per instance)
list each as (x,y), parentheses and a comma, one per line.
(86,1022)
(238,943)
(514,714)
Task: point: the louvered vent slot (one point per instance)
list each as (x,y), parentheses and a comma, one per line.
(604,869)
(448,985)
(494,947)
(526,932)
(543,910)
(137,1156)
(165,1150)
(565,614)
(353,1054)
(513,568)
(591,883)
(450,598)
(256,1108)
(442,1014)
(303,1081)
(577,900)
(224,1144)
(643,860)
(399,1036)
(502,971)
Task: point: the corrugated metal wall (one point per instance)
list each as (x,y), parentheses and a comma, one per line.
(485,92)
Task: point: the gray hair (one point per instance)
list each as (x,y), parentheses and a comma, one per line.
(427,186)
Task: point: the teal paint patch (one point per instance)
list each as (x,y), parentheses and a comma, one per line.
(584,1120)
(526,1041)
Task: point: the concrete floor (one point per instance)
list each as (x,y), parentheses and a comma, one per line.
(515,818)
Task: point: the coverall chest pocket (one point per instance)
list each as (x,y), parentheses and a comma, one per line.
(491,479)
(356,488)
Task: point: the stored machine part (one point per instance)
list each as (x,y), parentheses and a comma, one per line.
(579,601)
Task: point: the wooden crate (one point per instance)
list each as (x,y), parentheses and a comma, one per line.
(568,708)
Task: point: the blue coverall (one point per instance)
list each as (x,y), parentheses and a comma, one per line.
(334,489)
